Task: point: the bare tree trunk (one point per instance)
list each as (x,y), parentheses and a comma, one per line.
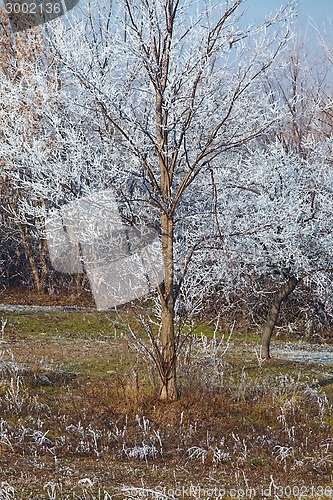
(43,249)
(169,381)
(26,240)
(169,390)
(273,315)
(38,281)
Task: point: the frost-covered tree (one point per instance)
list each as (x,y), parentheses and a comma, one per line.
(276,211)
(159,90)
(325,33)
(21,103)
(301,85)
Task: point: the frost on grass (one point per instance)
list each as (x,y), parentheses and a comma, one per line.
(7,492)
(144,452)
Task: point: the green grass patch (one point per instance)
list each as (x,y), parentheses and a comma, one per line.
(64,325)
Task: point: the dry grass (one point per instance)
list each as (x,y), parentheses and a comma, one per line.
(79,418)
(70,297)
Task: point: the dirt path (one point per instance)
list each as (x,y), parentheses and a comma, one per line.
(30,309)
(311,353)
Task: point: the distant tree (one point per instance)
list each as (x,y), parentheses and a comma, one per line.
(301,84)
(20,116)
(276,211)
(324,34)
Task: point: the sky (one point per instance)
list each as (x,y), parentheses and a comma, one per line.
(319,10)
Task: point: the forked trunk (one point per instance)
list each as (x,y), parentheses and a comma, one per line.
(274,314)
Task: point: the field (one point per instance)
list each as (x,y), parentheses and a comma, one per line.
(79,416)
